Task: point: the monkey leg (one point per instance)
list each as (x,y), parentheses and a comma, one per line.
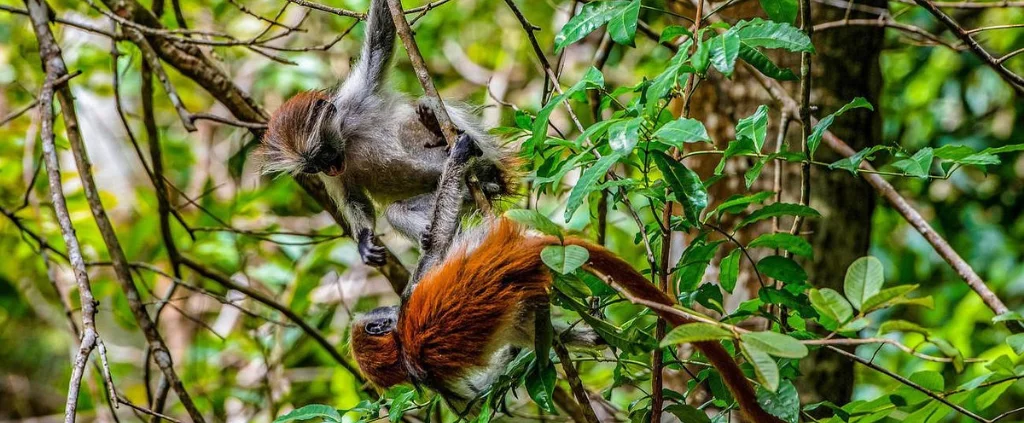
(411,217)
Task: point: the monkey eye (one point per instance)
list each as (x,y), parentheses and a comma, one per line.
(380,326)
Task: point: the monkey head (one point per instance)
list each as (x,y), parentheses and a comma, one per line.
(375,346)
(303,136)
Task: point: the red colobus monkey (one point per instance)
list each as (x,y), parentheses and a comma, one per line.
(369,144)
(474,304)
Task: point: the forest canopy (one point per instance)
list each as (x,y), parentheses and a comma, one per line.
(829,191)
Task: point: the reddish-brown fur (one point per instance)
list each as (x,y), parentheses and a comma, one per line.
(290,122)
(450,320)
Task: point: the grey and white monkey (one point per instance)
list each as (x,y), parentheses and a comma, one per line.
(373,146)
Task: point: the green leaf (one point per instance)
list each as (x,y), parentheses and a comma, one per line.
(622,26)
(687,413)
(780,10)
(763,64)
(852,163)
(782,268)
(536,220)
(1017,343)
(663,83)
(564,259)
(1008,316)
(830,303)
(885,297)
(784,404)
(814,140)
(750,176)
(695,332)
(623,135)
(864,279)
(964,155)
(685,184)
(917,165)
(592,79)
(901,326)
(775,344)
(738,202)
(992,394)
(725,48)
(730,270)
(784,241)
(591,17)
(399,404)
(855,325)
(540,384)
(585,185)
(681,131)
(702,57)
(754,127)
(672,32)
(312,411)
(778,209)
(765,368)
(773,35)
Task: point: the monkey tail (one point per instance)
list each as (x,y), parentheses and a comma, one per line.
(623,274)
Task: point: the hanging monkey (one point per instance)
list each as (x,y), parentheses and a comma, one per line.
(472,305)
(370,144)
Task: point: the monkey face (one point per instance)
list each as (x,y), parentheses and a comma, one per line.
(375,347)
(303,137)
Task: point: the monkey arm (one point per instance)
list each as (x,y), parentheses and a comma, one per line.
(444,223)
(358,210)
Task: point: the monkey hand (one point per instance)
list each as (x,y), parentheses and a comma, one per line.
(465,147)
(371,253)
(426,238)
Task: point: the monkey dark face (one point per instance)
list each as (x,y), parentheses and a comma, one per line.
(375,347)
(303,136)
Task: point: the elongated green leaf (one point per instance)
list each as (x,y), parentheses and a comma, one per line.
(663,83)
(730,270)
(901,326)
(885,296)
(852,163)
(685,184)
(540,384)
(591,17)
(775,344)
(564,259)
(864,279)
(535,220)
(688,413)
(780,10)
(681,131)
(830,303)
(754,127)
(773,35)
(763,64)
(623,135)
(964,155)
(725,48)
(782,268)
(779,209)
(312,411)
(765,368)
(784,241)
(622,26)
(399,404)
(738,202)
(585,185)
(695,332)
(592,79)
(814,140)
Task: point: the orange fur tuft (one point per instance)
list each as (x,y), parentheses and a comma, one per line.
(286,139)
(458,308)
